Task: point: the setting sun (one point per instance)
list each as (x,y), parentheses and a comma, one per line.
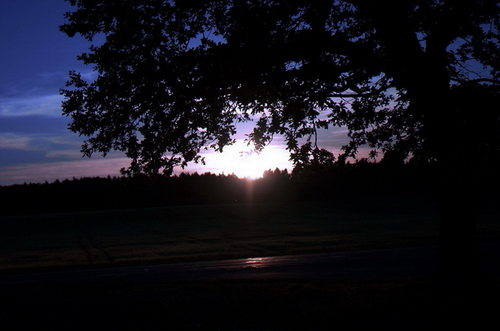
(241,160)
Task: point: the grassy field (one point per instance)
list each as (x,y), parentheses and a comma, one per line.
(206,232)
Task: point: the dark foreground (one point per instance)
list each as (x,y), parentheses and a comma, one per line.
(373,290)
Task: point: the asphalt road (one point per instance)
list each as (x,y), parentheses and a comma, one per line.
(368,264)
(239,295)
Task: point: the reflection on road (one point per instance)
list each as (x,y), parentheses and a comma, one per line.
(383,263)
(256,262)
(262,262)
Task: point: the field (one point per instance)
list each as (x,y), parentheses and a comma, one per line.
(206,232)
(210,232)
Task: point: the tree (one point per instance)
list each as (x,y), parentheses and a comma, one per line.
(414,79)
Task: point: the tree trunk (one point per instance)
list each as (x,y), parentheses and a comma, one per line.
(458,261)
(423,72)
(447,137)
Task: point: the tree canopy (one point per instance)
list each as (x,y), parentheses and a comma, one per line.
(407,78)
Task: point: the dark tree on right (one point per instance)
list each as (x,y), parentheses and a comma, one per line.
(414,80)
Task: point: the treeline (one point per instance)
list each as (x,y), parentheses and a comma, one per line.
(360,179)
(98,193)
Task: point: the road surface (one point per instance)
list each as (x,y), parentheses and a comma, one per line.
(368,264)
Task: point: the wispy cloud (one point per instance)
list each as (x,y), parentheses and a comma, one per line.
(63,141)
(35,142)
(67,153)
(10,141)
(49,105)
(37,173)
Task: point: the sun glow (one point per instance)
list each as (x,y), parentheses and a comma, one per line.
(241,160)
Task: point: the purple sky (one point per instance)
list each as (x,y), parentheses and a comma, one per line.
(35,144)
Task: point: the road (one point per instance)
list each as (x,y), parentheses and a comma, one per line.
(251,294)
(382,263)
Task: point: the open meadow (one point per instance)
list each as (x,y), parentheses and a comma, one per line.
(211,232)
(33,243)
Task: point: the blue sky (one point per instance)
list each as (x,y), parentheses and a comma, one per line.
(35,58)
(35,145)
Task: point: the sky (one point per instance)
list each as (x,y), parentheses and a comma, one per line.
(35,144)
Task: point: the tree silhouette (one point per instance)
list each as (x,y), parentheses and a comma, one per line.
(414,80)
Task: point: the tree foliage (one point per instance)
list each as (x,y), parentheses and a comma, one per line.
(407,78)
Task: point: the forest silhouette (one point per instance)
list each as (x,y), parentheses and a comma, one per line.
(314,182)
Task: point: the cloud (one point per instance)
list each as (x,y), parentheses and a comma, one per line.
(10,141)
(67,153)
(35,124)
(49,105)
(35,142)
(333,139)
(38,173)
(17,149)
(63,141)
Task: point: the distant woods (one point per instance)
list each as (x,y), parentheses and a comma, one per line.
(309,183)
